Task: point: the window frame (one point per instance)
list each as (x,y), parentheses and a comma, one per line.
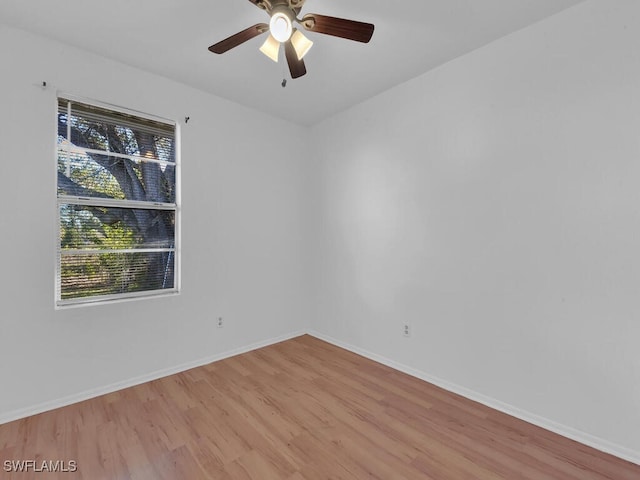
(118,203)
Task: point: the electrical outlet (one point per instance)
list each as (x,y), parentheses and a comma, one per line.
(220,322)
(406,330)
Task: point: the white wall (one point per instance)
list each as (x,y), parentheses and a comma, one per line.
(494,204)
(244,233)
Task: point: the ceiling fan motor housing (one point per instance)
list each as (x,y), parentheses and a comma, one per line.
(271,5)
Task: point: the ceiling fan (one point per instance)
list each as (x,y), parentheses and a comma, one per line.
(283,14)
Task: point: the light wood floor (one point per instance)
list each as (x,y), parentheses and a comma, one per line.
(297,410)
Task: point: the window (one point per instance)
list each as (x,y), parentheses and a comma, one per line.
(117,204)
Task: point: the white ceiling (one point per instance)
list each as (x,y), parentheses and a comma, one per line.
(170,38)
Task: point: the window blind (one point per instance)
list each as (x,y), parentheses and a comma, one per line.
(117,209)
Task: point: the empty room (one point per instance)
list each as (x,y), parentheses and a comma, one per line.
(320,239)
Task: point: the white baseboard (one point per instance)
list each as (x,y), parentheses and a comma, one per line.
(568,432)
(565,431)
(114,387)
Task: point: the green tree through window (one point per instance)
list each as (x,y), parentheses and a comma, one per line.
(117,204)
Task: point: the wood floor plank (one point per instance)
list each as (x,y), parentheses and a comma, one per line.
(297,410)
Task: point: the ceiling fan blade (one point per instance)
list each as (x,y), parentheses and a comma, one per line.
(296,66)
(239,38)
(338,27)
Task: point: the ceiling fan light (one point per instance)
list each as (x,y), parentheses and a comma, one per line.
(280,26)
(271,48)
(301,44)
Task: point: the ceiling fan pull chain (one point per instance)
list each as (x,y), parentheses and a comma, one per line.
(284,75)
